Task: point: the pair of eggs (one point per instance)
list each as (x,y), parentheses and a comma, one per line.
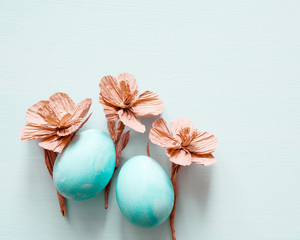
(144,190)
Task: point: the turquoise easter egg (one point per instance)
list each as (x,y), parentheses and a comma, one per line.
(144,191)
(85,167)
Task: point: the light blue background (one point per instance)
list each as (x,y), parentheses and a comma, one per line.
(232,67)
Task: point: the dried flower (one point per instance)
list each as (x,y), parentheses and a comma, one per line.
(54,121)
(120,99)
(184,146)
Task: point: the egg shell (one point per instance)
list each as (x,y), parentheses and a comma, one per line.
(85,166)
(145,194)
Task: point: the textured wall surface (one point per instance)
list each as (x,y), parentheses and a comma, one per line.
(232,67)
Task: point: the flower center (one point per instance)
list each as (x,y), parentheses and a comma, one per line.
(65,121)
(126,105)
(186,136)
(186,141)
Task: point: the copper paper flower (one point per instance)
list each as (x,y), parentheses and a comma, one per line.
(54,121)
(184,146)
(120,99)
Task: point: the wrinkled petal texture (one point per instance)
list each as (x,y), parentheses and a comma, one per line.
(61,104)
(120,100)
(203,143)
(128,87)
(56,143)
(111,112)
(33,115)
(205,159)
(179,156)
(179,124)
(30,132)
(130,120)
(160,134)
(187,144)
(55,121)
(148,104)
(67,131)
(82,109)
(110,91)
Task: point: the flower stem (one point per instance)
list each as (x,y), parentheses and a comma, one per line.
(148,150)
(120,142)
(175,169)
(62,204)
(50,158)
(106,193)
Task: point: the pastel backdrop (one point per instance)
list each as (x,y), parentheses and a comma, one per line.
(232,67)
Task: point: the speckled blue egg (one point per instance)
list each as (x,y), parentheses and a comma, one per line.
(144,191)
(85,166)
